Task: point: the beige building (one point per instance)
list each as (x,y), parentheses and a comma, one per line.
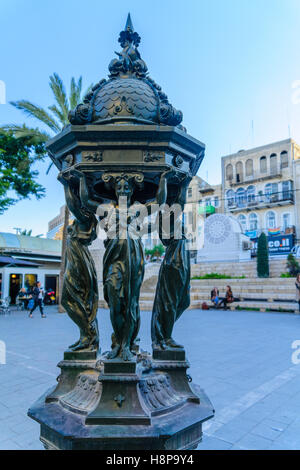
(261,188)
(205,195)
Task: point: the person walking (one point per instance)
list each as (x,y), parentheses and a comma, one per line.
(228,299)
(37,295)
(297,284)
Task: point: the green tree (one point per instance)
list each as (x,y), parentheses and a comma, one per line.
(54,119)
(292,265)
(17,157)
(262,256)
(156,251)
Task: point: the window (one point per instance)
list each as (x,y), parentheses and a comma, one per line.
(243,221)
(271,219)
(190,192)
(286,221)
(208,202)
(230,196)
(286,190)
(239,172)
(251,194)
(229,172)
(249,167)
(253,221)
(284,162)
(263,164)
(273,164)
(271,192)
(30,280)
(217,202)
(241,197)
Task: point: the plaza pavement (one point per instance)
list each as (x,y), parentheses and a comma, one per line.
(242,359)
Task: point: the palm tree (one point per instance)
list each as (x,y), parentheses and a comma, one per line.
(28,233)
(55,118)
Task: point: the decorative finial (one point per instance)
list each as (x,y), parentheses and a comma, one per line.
(130,98)
(129,25)
(129,61)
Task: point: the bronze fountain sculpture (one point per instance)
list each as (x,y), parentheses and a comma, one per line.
(124,157)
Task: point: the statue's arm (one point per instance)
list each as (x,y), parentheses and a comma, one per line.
(84,194)
(72,200)
(181,198)
(162,191)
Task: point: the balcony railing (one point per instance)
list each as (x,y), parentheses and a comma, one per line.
(259,200)
(256,176)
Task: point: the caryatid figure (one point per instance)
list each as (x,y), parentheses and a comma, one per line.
(172,295)
(123,263)
(80,287)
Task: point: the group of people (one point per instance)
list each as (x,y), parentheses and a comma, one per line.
(221,301)
(35,294)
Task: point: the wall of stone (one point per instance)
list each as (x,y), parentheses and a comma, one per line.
(247,268)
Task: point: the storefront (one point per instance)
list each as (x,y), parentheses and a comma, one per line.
(25,260)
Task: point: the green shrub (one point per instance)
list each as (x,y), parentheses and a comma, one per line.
(157,251)
(248,309)
(217,276)
(292,265)
(262,259)
(285,275)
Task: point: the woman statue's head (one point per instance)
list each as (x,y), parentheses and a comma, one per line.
(123,188)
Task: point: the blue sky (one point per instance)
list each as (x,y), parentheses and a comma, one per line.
(224,63)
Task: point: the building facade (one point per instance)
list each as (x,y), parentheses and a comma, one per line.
(25,260)
(260,187)
(55,225)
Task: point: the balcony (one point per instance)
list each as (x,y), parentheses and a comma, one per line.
(260,201)
(255,177)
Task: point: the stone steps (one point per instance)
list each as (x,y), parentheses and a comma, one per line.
(262,306)
(271,293)
(271,297)
(146,305)
(248,268)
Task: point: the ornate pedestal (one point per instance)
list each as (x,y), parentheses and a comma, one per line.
(125,146)
(137,405)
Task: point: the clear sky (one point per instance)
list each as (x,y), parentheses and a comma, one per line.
(224,63)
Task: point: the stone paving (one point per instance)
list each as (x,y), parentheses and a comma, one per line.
(242,359)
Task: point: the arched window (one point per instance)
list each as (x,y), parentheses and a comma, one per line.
(241,197)
(286,221)
(251,194)
(229,172)
(271,192)
(239,172)
(263,164)
(249,167)
(217,201)
(208,201)
(243,221)
(253,221)
(230,197)
(287,190)
(273,164)
(284,161)
(271,219)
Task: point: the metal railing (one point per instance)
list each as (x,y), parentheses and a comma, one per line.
(254,200)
